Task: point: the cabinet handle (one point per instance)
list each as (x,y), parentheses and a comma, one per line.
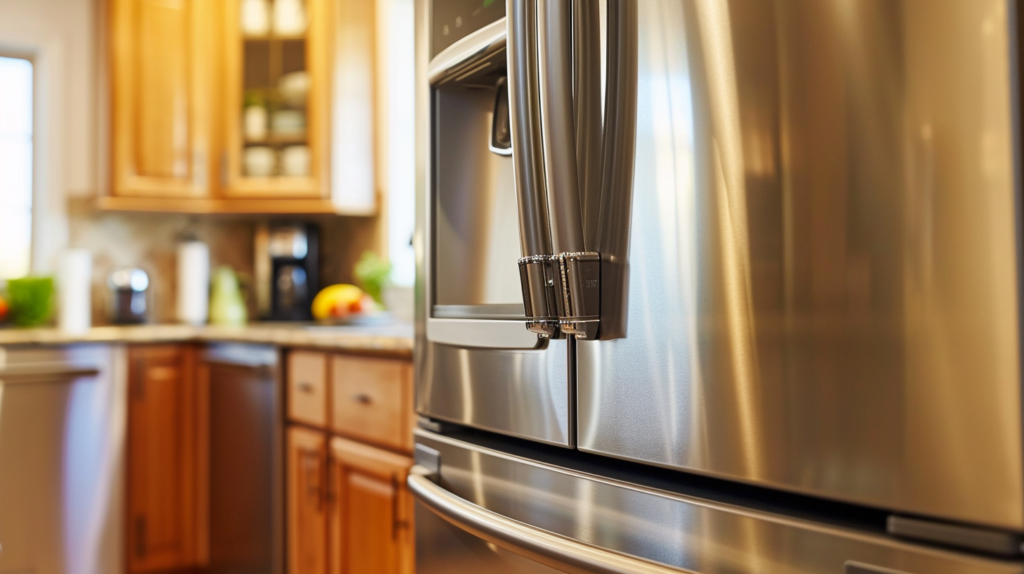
(314,486)
(362,398)
(306,387)
(394,508)
(140,536)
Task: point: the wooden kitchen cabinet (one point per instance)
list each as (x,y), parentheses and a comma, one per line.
(307,501)
(349,511)
(307,388)
(371,400)
(284,79)
(371,510)
(163,73)
(163,478)
(208,116)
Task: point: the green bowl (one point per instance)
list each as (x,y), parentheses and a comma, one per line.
(31,300)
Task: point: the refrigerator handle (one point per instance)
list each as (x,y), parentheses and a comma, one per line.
(539,545)
(617,161)
(558,131)
(536,271)
(586,24)
(574,197)
(560,68)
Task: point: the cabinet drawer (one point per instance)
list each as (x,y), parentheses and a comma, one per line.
(307,387)
(371,400)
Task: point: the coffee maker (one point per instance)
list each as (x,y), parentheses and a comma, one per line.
(287,270)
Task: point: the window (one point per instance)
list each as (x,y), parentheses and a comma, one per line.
(15,167)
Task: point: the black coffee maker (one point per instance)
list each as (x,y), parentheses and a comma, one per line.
(287,270)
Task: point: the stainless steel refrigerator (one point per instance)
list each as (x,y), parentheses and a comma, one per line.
(719,286)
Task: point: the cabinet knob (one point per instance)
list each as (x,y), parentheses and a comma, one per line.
(362,398)
(306,387)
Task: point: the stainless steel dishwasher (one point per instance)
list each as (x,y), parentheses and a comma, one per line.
(62,438)
(246,445)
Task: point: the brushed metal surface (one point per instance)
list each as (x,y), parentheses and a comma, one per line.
(522,393)
(500,334)
(475,233)
(823,286)
(559,552)
(442,548)
(62,441)
(467,241)
(688,533)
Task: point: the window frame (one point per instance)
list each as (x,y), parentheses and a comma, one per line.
(34,192)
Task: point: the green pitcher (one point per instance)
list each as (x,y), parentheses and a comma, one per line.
(227,307)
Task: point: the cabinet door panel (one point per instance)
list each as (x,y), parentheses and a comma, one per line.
(286,157)
(307,512)
(307,387)
(162,96)
(162,477)
(371,511)
(371,400)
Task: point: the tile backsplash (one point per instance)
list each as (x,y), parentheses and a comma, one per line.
(149,241)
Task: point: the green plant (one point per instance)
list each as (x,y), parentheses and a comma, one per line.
(31,300)
(372,275)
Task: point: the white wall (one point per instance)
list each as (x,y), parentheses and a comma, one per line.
(60,37)
(401,107)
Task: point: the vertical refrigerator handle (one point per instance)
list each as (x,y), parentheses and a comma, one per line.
(557,122)
(586,32)
(568,195)
(618,148)
(535,269)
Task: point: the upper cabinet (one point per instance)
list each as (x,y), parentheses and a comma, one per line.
(240,105)
(163,97)
(278,78)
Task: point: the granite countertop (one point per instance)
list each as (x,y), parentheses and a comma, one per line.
(393,337)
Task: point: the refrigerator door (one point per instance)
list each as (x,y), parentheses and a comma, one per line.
(477,364)
(823,290)
(487,511)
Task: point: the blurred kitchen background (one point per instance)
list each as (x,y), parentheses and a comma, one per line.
(128,126)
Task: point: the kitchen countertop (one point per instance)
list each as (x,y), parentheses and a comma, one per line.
(393,337)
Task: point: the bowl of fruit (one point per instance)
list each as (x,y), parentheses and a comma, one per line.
(346,304)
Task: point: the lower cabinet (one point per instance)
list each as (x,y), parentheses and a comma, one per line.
(349,511)
(307,501)
(370,514)
(163,479)
(195,477)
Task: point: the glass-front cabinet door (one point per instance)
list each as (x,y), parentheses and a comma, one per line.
(276,96)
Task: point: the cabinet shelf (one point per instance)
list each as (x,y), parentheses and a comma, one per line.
(272,37)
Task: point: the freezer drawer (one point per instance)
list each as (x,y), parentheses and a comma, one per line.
(483,507)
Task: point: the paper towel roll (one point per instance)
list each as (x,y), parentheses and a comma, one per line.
(74,282)
(193,282)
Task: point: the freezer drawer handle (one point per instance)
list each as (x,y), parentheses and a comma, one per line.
(538,545)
